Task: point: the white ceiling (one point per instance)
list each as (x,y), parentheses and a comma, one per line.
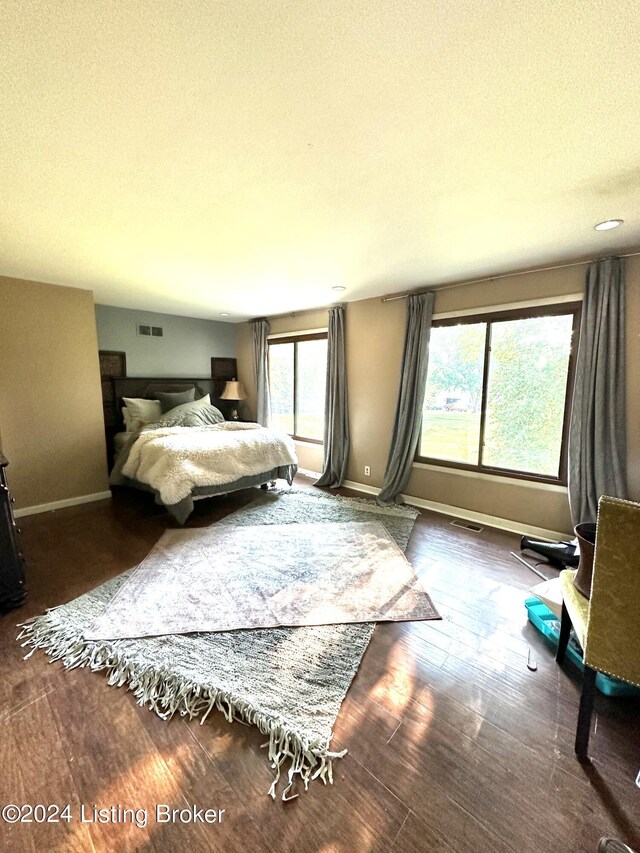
(245,156)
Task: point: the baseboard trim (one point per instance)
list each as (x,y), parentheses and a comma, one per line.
(468,514)
(67,502)
(315,475)
(361,487)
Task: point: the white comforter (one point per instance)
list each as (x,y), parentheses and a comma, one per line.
(174,460)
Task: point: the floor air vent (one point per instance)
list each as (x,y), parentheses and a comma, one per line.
(468,525)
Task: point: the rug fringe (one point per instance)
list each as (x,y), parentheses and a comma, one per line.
(169,694)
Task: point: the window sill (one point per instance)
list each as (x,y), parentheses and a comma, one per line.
(493,478)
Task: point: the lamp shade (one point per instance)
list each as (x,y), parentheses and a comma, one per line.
(233,390)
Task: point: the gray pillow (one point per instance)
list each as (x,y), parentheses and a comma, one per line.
(206,416)
(209,415)
(198,413)
(171,400)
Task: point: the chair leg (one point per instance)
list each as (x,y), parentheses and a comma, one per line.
(584,715)
(565,630)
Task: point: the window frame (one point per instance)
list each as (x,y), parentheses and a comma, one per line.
(295,340)
(525,313)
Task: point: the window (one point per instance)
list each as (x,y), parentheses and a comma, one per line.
(498,392)
(297,376)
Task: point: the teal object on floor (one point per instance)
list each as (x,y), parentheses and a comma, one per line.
(548,623)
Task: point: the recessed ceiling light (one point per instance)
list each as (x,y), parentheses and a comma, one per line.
(224,314)
(608,224)
(338,288)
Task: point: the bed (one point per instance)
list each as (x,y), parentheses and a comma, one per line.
(181,458)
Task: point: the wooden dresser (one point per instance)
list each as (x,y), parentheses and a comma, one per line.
(12,587)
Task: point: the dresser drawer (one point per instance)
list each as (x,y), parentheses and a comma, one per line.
(12,578)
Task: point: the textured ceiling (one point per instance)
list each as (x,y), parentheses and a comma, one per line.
(198,157)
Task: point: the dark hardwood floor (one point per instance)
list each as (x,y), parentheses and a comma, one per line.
(454,744)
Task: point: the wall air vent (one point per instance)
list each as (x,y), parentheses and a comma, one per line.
(468,525)
(150,331)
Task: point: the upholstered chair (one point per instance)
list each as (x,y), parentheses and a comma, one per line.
(607,625)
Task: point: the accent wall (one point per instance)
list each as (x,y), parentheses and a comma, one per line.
(184,350)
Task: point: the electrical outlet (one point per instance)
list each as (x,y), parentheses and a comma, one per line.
(367,470)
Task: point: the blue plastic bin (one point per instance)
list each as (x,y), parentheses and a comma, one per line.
(549,624)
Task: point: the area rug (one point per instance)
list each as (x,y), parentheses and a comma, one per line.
(227,577)
(289,682)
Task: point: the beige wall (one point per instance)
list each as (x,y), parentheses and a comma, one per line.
(50,400)
(375,337)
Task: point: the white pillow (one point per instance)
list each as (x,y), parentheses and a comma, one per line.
(130,424)
(139,409)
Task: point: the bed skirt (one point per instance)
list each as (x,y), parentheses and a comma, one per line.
(183,509)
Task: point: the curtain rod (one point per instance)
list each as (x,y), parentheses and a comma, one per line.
(301,311)
(393,297)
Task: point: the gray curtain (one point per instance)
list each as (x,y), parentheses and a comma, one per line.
(336,413)
(413,382)
(261,365)
(597,434)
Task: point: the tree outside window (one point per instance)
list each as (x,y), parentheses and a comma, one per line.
(297,378)
(498,391)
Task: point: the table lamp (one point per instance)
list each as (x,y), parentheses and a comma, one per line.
(233,390)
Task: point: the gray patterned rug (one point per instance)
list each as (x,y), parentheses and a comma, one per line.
(226,577)
(289,682)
